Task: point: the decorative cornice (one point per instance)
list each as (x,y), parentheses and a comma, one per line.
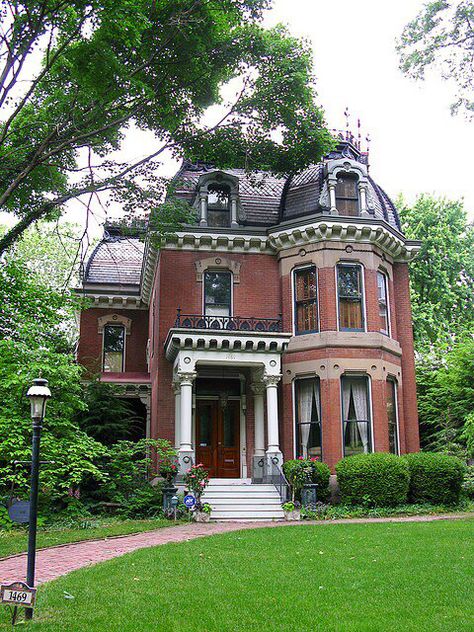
(113,300)
(271,380)
(114,319)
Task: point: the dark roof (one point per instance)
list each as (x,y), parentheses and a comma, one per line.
(116,260)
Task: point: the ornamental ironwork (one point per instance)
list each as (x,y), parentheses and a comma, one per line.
(228,323)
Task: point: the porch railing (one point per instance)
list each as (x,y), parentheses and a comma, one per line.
(271,473)
(228,323)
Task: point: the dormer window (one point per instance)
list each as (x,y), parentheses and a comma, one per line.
(347,197)
(218,205)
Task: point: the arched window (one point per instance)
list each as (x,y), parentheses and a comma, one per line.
(347,196)
(306,300)
(217,293)
(218,205)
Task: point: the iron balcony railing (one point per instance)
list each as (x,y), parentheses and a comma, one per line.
(228,323)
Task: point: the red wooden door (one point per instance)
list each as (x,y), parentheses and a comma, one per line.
(218,438)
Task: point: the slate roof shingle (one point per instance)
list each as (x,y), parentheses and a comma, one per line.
(116,261)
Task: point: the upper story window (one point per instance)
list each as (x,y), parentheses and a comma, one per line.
(306,300)
(356,415)
(308,418)
(347,197)
(218,205)
(392,416)
(114,349)
(382,295)
(217,293)
(350,297)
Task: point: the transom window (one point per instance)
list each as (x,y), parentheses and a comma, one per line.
(306,300)
(308,418)
(217,293)
(218,205)
(355,415)
(347,196)
(382,294)
(350,299)
(392,416)
(114,347)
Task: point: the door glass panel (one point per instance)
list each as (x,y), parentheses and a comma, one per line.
(205,426)
(229,427)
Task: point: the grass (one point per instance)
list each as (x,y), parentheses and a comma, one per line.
(15,541)
(341,578)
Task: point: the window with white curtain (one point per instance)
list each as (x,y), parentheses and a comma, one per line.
(392,416)
(308,418)
(356,415)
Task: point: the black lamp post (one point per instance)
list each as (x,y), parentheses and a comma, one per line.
(38,394)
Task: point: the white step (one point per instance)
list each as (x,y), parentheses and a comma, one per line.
(237,499)
(246,514)
(230,500)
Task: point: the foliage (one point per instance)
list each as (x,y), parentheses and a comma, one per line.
(206,508)
(301,471)
(166,460)
(468,433)
(196,479)
(446,399)
(434,478)
(291,506)
(377,479)
(442,37)
(112,66)
(468,482)
(442,274)
(107,418)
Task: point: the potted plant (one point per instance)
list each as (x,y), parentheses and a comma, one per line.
(166,461)
(292,511)
(196,480)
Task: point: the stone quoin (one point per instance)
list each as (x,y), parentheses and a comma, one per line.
(276,326)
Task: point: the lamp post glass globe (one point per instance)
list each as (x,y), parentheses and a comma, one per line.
(38,394)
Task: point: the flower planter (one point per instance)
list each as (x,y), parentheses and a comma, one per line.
(292,516)
(201,516)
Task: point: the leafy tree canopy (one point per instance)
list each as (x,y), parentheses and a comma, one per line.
(442,274)
(105,66)
(442,37)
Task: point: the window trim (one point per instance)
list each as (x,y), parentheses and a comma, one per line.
(394,382)
(124,352)
(296,269)
(370,426)
(312,376)
(221,271)
(363,305)
(387,301)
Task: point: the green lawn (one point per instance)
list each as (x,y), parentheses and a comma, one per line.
(374,577)
(15,541)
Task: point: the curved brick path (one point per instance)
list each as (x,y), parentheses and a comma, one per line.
(59,560)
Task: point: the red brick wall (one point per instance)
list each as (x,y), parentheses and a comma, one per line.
(89,351)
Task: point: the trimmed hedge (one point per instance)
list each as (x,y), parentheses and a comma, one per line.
(300,471)
(377,479)
(435,478)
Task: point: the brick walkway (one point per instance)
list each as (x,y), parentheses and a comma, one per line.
(59,560)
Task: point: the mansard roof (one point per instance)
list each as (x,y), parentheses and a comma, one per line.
(116,260)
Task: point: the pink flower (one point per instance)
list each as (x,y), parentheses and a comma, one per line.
(301,458)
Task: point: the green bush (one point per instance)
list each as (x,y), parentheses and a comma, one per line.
(435,478)
(301,471)
(468,482)
(376,480)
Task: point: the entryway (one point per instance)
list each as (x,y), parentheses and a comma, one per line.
(218,436)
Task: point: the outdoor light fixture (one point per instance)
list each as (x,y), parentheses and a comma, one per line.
(38,394)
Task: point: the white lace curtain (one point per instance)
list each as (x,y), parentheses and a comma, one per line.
(357,389)
(307,389)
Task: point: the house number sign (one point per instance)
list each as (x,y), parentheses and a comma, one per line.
(17,594)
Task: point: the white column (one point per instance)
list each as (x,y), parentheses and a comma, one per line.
(177,414)
(233,210)
(271,383)
(332,197)
(259,418)
(203,208)
(185,435)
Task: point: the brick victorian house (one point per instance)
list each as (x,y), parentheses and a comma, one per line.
(278,325)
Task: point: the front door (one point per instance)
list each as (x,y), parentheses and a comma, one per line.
(218,437)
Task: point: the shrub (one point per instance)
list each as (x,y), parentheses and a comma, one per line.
(196,480)
(435,478)
(468,482)
(301,471)
(378,479)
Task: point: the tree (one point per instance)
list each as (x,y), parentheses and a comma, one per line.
(442,37)
(442,274)
(108,66)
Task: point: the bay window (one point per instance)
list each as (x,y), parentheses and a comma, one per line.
(308,418)
(114,347)
(217,293)
(382,295)
(306,300)
(392,416)
(350,297)
(356,415)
